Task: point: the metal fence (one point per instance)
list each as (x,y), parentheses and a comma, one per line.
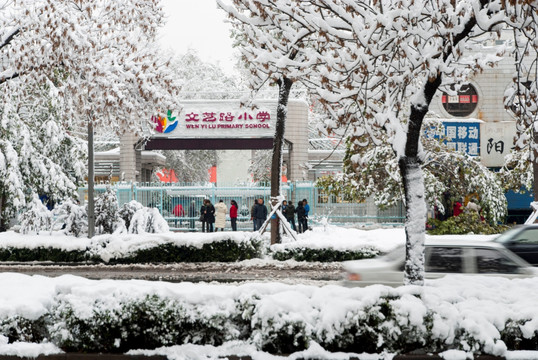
(187,198)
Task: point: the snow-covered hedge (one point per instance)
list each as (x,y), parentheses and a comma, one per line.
(323,255)
(131,248)
(487,315)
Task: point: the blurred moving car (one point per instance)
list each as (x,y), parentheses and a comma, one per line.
(442,257)
(522,240)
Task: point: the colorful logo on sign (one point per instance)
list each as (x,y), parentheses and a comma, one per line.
(166,124)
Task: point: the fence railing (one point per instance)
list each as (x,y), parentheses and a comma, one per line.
(180,203)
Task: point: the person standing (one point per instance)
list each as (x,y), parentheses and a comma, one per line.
(233,215)
(252,218)
(202,215)
(178,211)
(458,208)
(306,210)
(220,215)
(209,215)
(192,214)
(260,214)
(301,213)
(289,213)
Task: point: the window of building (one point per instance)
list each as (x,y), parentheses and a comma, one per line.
(463,103)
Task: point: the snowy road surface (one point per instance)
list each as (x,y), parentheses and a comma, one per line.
(251,270)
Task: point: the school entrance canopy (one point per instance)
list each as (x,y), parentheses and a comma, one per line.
(223,125)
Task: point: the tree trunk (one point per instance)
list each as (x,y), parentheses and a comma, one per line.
(415,220)
(3,220)
(535,161)
(284,85)
(413,182)
(91,199)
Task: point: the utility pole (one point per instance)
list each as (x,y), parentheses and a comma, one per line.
(91,185)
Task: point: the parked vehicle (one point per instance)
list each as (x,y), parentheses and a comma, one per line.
(522,240)
(442,257)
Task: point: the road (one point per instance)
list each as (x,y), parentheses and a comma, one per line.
(255,270)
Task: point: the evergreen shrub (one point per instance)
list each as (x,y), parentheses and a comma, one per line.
(468,222)
(155,321)
(323,255)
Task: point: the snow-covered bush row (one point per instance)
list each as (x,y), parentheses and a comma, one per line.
(323,255)
(132,217)
(131,248)
(480,315)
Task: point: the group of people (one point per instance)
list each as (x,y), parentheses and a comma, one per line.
(216,215)
(213,217)
(258,214)
(302,210)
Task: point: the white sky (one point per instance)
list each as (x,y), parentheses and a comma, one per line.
(198,24)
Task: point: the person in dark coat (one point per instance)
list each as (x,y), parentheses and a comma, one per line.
(209,215)
(233,215)
(289,213)
(301,217)
(260,214)
(192,214)
(202,216)
(252,218)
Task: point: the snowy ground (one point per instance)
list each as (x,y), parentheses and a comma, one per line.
(481,302)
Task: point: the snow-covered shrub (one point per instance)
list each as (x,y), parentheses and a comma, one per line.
(323,255)
(127,211)
(73,216)
(148,220)
(107,219)
(36,218)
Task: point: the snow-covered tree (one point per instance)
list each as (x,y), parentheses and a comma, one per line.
(202,80)
(260,165)
(127,211)
(191,165)
(36,218)
(372,171)
(73,216)
(270,43)
(380,57)
(38,155)
(148,220)
(521,97)
(107,219)
(99,60)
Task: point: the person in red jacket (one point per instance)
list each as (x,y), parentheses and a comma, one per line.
(458,208)
(233,215)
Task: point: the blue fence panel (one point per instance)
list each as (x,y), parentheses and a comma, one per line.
(180,204)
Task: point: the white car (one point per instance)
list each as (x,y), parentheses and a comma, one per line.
(442,257)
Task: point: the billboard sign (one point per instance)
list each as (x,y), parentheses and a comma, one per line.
(216,119)
(463,136)
(497,139)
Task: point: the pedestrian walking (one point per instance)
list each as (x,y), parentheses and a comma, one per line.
(301,213)
(192,214)
(178,211)
(260,214)
(233,214)
(289,213)
(252,218)
(220,215)
(202,216)
(209,215)
(306,210)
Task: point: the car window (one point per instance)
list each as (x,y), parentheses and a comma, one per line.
(492,261)
(529,236)
(444,259)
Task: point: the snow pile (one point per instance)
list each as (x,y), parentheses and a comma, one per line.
(351,239)
(469,314)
